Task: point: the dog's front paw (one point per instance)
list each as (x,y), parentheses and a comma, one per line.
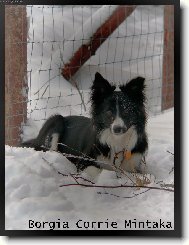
(92,172)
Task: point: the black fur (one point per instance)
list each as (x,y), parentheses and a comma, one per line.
(52,125)
(79,135)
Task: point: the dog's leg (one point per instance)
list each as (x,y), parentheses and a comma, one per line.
(54,142)
(92,171)
(133,164)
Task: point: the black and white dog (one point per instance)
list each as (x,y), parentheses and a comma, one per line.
(115,133)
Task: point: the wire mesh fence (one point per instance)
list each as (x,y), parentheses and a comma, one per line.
(42,43)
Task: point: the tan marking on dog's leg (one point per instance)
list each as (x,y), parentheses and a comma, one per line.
(133,164)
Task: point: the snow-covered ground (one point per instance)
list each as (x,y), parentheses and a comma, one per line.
(36,191)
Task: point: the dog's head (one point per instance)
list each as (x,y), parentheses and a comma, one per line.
(117,110)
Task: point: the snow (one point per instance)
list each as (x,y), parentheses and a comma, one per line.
(35,189)
(55,32)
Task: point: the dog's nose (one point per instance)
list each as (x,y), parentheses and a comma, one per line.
(118,129)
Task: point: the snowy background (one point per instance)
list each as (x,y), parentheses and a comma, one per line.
(33,184)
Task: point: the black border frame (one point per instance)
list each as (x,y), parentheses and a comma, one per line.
(177,232)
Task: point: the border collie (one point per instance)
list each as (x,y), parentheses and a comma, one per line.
(115,133)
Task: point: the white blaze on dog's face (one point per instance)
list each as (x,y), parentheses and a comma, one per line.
(119,136)
(118,126)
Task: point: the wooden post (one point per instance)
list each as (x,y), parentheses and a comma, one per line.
(102,33)
(15,72)
(168,59)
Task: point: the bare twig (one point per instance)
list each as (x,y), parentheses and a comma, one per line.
(45,91)
(171,170)
(80,94)
(111,194)
(167,185)
(76,176)
(92,184)
(76,151)
(80,177)
(170,153)
(72,175)
(119,186)
(51,165)
(46,83)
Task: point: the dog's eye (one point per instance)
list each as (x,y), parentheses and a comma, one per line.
(110,115)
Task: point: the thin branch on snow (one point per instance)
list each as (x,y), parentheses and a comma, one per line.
(72,175)
(100,164)
(86,160)
(171,170)
(137,185)
(82,178)
(170,153)
(111,194)
(140,183)
(75,176)
(103,165)
(167,185)
(118,186)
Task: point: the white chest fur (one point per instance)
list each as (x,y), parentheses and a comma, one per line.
(117,143)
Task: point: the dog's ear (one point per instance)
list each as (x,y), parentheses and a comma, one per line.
(100,88)
(135,89)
